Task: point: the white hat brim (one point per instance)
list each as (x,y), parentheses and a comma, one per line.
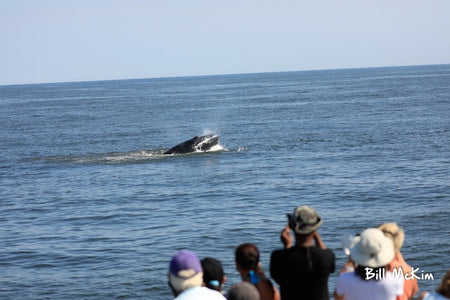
(372,249)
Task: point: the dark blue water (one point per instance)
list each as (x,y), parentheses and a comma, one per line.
(91,209)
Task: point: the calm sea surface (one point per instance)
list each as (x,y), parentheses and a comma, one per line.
(91,209)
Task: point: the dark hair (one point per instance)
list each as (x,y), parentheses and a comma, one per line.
(361,272)
(212,273)
(247,256)
(444,287)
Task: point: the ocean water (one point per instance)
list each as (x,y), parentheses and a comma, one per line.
(91,209)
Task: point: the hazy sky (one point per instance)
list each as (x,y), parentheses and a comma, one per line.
(73,40)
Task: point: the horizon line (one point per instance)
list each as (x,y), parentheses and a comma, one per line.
(221,74)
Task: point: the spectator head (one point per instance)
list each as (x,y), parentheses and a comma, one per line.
(444,287)
(243,291)
(185,271)
(395,233)
(304,220)
(372,249)
(247,256)
(213,275)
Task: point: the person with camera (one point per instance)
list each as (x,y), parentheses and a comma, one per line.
(302,269)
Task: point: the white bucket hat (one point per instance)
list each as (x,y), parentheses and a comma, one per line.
(372,249)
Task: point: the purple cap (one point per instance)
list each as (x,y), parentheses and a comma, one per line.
(185,264)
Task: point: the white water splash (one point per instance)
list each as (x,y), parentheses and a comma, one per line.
(208,131)
(216,148)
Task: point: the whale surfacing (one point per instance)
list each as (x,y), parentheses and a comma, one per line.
(196,144)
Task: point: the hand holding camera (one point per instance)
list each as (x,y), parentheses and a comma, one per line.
(286,237)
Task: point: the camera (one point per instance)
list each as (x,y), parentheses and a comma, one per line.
(291,220)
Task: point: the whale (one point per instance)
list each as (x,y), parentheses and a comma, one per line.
(201,143)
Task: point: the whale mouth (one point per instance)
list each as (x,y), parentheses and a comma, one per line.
(207,142)
(202,143)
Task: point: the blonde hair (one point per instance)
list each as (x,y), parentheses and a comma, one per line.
(395,233)
(180,284)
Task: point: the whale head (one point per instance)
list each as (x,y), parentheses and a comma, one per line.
(206,142)
(196,144)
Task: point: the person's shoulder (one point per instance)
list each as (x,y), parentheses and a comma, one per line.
(324,253)
(326,250)
(346,281)
(348,276)
(279,253)
(350,279)
(432,296)
(390,276)
(212,294)
(200,293)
